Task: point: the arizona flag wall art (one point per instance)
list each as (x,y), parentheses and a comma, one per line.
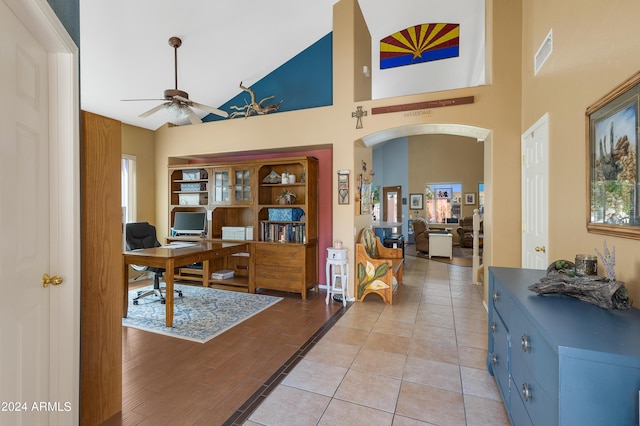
(442,46)
(420,43)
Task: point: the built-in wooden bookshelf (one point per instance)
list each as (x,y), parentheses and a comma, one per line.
(243,203)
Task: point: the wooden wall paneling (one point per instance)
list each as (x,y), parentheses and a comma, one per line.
(101,236)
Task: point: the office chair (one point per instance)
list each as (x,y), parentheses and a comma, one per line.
(141,235)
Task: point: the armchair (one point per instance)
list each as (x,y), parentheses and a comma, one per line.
(465,232)
(378,268)
(421,233)
(140,235)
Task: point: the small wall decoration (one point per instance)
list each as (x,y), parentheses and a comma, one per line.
(415,201)
(420,43)
(343,186)
(358,114)
(470,198)
(365,198)
(612,169)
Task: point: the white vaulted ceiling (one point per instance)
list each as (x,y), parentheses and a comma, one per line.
(125,52)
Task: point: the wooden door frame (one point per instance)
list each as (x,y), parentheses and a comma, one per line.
(398,190)
(64,177)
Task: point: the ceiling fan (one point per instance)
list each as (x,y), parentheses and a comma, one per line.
(177,101)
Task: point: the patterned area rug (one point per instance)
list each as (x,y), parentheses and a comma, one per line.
(200,315)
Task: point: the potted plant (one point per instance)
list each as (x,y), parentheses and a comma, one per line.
(287,197)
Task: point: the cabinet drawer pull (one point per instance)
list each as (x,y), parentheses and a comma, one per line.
(526,392)
(494,359)
(493,327)
(525,343)
(496,296)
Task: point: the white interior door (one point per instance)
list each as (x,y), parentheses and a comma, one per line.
(535,189)
(39,327)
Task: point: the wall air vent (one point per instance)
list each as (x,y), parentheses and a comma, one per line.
(543,53)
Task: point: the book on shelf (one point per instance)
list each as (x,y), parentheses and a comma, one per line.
(283,232)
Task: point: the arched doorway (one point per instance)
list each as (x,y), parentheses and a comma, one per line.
(478,133)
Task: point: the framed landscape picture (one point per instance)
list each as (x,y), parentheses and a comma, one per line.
(470,198)
(415,202)
(612,162)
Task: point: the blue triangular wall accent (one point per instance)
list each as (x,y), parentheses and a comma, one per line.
(304,81)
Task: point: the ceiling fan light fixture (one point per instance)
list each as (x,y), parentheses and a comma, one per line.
(178,112)
(177,102)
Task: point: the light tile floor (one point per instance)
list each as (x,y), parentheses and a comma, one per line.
(420,361)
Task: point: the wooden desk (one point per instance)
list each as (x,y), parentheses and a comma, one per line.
(171,258)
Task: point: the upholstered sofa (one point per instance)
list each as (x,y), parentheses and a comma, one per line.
(465,232)
(421,233)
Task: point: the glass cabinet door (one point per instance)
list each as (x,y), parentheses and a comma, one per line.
(220,186)
(242,185)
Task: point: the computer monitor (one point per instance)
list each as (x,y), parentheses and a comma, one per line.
(192,223)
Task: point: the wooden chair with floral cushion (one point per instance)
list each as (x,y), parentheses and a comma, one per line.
(378,268)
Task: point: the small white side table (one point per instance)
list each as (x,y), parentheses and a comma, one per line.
(441,245)
(337,274)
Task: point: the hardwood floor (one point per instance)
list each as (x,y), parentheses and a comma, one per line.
(434,339)
(173,381)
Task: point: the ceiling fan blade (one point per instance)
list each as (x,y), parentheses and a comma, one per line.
(182,99)
(154,109)
(212,110)
(136,100)
(192,116)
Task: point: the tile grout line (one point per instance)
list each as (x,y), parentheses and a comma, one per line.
(254,401)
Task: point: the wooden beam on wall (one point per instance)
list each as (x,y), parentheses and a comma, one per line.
(439,103)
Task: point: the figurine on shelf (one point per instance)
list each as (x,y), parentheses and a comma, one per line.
(287,197)
(272,177)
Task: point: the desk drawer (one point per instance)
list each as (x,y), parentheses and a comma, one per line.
(278,278)
(529,350)
(498,360)
(527,392)
(279,254)
(517,411)
(501,301)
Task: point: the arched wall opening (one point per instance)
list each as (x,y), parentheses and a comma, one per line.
(478,133)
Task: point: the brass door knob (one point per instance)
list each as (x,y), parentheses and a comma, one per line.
(542,249)
(55,280)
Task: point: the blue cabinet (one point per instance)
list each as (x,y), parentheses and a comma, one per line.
(558,360)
